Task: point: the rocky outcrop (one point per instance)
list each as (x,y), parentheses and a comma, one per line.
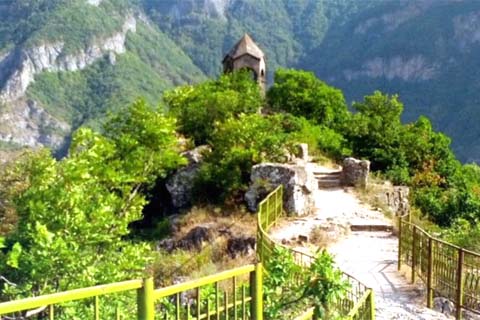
(395,198)
(298,182)
(240,246)
(193,240)
(180,184)
(28,124)
(391,21)
(22,65)
(355,172)
(413,68)
(210,8)
(24,122)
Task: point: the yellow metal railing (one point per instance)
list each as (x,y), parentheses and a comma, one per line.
(447,270)
(359,301)
(46,303)
(230,297)
(234,294)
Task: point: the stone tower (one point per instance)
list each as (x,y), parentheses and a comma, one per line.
(246,54)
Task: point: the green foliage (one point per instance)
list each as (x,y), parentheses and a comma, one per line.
(198,108)
(375,131)
(289,288)
(320,139)
(302,94)
(327,285)
(465,234)
(73,214)
(85,97)
(238,144)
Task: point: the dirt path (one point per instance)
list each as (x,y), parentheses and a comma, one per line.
(371,257)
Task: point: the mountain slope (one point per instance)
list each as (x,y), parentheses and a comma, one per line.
(65,63)
(427,51)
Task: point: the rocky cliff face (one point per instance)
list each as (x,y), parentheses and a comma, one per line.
(24,122)
(211,8)
(21,65)
(415,68)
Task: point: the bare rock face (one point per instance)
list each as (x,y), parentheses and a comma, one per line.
(193,240)
(24,122)
(180,185)
(24,64)
(413,68)
(28,124)
(240,246)
(299,185)
(355,172)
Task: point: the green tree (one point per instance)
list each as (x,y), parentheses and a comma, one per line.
(290,288)
(199,107)
(238,144)
(375,131)
(302,94)
(73,214)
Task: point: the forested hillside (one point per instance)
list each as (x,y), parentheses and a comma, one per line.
(64,63)
(422,49)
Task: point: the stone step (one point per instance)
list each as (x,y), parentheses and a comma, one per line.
(371,227)
(328,174)
(326,178)
(329,183)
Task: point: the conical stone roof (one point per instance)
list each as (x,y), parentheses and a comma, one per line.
(245,46)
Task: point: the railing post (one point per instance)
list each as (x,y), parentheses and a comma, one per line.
(414,253)
(459,284)
(430,273)
(256,292)
(399,266)
(145,301)
(372,305)
(275,217)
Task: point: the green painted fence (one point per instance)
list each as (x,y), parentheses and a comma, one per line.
(234,294)
(359,301)
(447,270)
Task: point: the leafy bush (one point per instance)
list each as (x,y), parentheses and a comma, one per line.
(289,288)
(73,214)
(198,108)
(302,94)
(465,234)
(238,144)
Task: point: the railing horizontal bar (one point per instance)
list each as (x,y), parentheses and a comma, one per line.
(168,291)
(71,295)
(453,246)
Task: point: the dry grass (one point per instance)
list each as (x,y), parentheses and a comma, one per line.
(238,222)
(325,161)
(370,195)
(324,236)
(213,257)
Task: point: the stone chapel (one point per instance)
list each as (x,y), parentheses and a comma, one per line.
(247,54)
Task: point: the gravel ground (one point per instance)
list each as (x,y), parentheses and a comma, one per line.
(371,257)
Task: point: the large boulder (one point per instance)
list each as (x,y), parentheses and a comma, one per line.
(299,185)
(355,172)
(180,184)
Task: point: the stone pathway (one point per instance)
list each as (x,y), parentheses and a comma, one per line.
(371,257)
